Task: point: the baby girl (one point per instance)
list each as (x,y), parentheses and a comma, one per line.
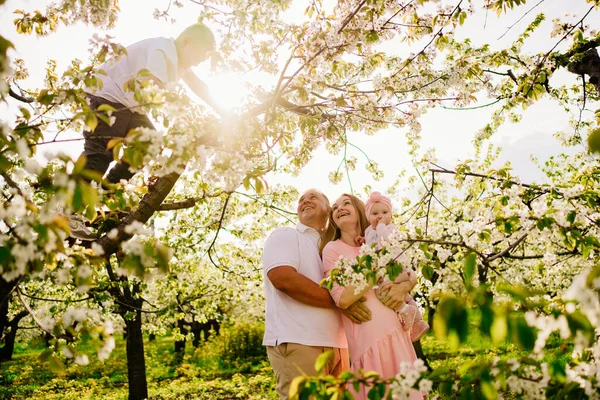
(379,213)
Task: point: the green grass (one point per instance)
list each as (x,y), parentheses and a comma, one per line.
(480,349)
(213,371)
(201,375)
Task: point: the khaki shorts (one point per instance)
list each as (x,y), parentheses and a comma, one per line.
(290,360)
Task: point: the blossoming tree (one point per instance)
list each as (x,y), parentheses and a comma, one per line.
(496,244)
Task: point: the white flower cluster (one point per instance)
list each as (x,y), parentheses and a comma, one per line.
(82,318)
(404,383)
(392,252)
(526,381)
(546,325)
(100,13)
(348,274)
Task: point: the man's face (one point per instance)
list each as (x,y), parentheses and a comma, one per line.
(312,207)
(193,54)
(198,56)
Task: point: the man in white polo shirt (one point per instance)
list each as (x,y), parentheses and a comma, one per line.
(302,320)
(165,60)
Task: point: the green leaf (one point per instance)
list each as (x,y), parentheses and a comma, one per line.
(469,267)
(260,185)
(445,388)
(499,329)
(427,272)
(106,108)
(162,258)
(346,375)
(45,97)
(55,365)
(451,321)
(372,36)
(5,165)
(594,141)
(488,390)
(113,142)
(303,94)
(5,44)
(296,386)
(438,372)
(91,121)
(26,113)
(77,201)
(45,355)
(521,333)
(341,102)
(371,374)
(90,200)
(322,360)
(374,393)
(579,322)
(79,165)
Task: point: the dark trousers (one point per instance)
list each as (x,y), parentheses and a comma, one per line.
(95,145)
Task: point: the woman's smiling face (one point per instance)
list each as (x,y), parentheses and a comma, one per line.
(344,213)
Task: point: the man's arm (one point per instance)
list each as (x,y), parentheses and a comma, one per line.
(299,287)
(201,90)
(304,290)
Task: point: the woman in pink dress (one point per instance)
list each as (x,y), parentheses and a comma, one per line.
(380,344)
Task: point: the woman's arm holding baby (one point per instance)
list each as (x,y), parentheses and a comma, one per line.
(393,295)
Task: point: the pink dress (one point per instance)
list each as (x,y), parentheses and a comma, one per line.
(379,344)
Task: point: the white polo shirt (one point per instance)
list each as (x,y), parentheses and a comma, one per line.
(158,55)
(288,320)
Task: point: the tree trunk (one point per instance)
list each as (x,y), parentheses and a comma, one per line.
(180,344)
(6,289)
(136,363)
(47,338)
(430,315)
(420,353)
(130,303)
(196,331)
(152,337)
(7,351)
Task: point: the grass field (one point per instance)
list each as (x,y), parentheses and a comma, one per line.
(232,366)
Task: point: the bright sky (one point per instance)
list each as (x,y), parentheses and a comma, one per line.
(449,132)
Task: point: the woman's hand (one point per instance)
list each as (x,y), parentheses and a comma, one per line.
(393,295)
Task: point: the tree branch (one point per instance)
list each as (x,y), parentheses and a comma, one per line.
(148,205)
(352,14)
(508,249)
(30,311)
(179,205)
(23,99)
(473,174)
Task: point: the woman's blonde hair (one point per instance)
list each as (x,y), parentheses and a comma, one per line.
(332,232)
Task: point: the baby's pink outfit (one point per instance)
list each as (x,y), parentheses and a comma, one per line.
(408,313)
(380,344)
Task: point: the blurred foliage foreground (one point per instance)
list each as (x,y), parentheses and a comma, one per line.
(232,365)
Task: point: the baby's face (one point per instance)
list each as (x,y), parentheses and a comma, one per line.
(379,213)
